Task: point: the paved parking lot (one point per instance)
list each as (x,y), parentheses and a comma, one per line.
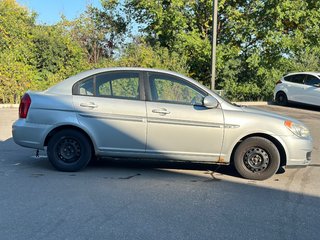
(150,200)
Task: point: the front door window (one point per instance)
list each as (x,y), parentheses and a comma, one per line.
(172,90)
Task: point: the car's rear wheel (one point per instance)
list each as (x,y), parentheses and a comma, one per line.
(256,158)
(281,99)
(69,150)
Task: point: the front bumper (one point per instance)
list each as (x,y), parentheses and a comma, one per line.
(298,150)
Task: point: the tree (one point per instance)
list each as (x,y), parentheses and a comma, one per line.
(258,42)
(57,55)
(257,39)
(16,56)
(141,54)
(181,26)
(270,35)
(33,56)
(99,31)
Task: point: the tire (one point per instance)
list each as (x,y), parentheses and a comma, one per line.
(281,99)
(257,158)
(69,151)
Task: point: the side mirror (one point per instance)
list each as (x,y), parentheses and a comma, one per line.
(316,85)
(210,102)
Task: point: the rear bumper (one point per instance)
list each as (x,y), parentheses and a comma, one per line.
(29,135)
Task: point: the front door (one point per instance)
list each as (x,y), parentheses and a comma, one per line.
(296,87)
(312,90)
(179,127)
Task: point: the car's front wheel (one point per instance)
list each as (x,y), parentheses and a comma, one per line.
(69,150)
(256,158)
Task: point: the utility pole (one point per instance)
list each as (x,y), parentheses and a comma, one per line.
(214,42)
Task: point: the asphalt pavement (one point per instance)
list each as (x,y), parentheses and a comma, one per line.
(132,199)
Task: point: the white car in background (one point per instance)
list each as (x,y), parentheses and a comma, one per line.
(300,87)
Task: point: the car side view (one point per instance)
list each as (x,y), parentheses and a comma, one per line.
(155,114)
(301,87)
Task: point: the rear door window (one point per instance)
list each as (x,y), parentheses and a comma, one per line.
(124,85)
(118,85)
(312,80)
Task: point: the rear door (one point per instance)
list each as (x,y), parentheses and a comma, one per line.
(111,107)
(178,126)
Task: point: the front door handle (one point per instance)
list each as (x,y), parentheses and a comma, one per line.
(161,111)
(88,105)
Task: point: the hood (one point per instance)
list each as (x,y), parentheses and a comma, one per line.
(268,113)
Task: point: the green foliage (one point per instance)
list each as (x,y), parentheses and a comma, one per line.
(16,56)
(273,37)
(15,78)
(141,54)
(99,31)
(256,38)
(181,26)
(57,55)
(32,56)
(258,42)
(16,25)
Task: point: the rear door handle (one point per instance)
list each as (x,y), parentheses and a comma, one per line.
(161,111)
(88,105)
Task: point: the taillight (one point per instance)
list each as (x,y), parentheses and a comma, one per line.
(278,82)
(24,106)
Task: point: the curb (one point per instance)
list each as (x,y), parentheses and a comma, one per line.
(254,103)
(9,105)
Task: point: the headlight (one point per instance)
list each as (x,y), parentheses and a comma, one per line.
(297,129)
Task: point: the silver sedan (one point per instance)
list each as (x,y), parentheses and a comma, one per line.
(155,114)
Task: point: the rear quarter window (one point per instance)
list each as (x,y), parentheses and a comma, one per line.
(298,78)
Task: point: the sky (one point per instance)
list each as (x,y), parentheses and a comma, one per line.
(49,11)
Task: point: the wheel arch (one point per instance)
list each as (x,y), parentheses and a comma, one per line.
(64,127)
(281,91)
(279,146)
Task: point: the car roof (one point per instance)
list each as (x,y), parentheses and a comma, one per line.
(295,73)
(65,86)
